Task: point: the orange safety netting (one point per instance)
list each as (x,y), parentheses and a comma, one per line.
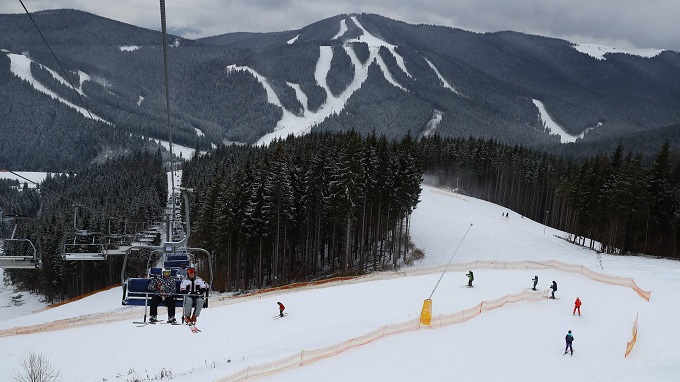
(629,345)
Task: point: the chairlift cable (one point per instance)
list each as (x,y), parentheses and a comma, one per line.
(167,100)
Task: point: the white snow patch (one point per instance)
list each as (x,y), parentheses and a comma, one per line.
(598,51)
(20,66)
(373,41)
(128,48)
(343,29)
(175,43)
(83,77)
(199,132)
(102,81)
(433,123)
(555,128)
(292,40)
(35,177)
(139,101)
(177,150)
(445,83)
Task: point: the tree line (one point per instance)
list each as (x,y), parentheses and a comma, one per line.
(622,201)
(337,204)
(303,208)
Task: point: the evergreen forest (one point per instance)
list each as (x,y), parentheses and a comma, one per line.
(334,204)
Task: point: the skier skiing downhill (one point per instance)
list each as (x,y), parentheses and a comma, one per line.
(471,278)
(569,338)
(281,309)
(194,289)
(577,306)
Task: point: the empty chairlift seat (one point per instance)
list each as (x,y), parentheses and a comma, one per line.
(84,252)
(177,257)
(175,263)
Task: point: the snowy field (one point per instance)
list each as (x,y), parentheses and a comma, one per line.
(517,342)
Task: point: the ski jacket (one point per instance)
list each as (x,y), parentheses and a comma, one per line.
(281,307)
(163,285)
(554,286)
(470,276)
(577,303)
(569,338)
(193,286)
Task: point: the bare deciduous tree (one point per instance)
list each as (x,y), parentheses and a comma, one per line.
(36,368)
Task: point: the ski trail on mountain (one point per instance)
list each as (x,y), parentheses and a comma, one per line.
(20,66)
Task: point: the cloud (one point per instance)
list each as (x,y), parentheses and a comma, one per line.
(625,23)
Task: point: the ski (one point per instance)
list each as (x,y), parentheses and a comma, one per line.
(465,286)
(141,323)
(278,316)
(194,329)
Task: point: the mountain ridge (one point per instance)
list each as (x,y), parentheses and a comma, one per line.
(480,84)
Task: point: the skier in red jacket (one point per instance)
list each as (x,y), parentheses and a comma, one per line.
(281,308)
(577,306)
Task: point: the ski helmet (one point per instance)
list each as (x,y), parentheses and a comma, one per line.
(166,272)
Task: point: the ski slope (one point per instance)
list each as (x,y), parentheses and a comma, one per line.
(517,342)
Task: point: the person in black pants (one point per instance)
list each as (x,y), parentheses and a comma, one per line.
(164,289)
(554,289)
(569,338)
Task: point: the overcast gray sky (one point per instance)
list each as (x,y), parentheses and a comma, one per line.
(622,24)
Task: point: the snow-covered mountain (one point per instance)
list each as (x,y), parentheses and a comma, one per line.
(94,338)
(356,71)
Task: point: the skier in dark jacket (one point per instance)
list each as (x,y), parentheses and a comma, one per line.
(554,289)
(569,338)
(164,289)
(535,280)
(471,278)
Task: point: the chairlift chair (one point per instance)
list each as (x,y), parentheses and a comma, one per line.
(16,253)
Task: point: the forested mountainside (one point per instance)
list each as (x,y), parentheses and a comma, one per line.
(360,72)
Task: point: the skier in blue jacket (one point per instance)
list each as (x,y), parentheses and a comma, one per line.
(569,338)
